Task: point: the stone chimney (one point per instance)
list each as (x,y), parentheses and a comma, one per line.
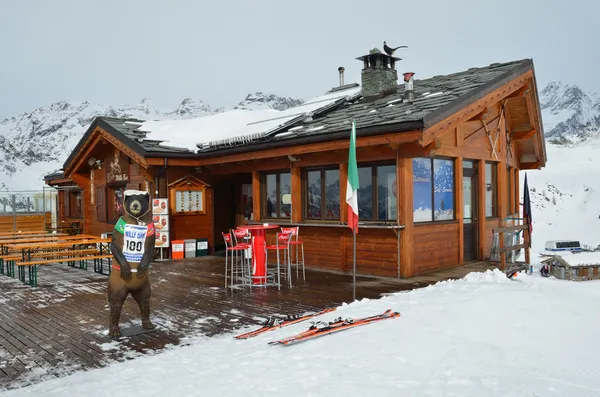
(379,76)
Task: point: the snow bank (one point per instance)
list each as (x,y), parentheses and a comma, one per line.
(482,335)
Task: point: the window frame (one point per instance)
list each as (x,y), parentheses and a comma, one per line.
(375,190)
(264,194)
(323,171)
(72,200)
(494,184)
(433,220)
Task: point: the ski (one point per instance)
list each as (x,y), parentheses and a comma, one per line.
(322,328)
(275,323)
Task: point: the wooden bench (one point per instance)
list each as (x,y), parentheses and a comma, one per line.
(10,259)
(34,264)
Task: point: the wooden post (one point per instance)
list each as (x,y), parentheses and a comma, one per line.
(257,198)
(296,194)
(481,224)
(459,207)
(501,246)
(404,193)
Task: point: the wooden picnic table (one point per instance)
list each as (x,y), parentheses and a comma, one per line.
(26,236)
(24,232)
(27,248)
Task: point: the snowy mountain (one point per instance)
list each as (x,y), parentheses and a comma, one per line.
(36,143)
(259,100)
(570,115)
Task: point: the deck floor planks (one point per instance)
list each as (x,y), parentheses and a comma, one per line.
(60,326)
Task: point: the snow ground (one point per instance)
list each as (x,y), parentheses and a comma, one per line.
(483,335)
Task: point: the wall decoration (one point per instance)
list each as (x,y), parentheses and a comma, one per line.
(118,168)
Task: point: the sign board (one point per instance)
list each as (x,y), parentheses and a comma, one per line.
(160,217)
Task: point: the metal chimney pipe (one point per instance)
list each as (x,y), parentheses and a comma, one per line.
(409,93)
(341,70)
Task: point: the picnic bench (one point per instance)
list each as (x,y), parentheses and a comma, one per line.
(73,250)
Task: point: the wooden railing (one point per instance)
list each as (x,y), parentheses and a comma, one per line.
(502,250)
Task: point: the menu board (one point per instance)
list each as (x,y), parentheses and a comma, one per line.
(160,217)
(189,200)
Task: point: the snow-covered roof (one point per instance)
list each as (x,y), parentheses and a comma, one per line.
(238,125)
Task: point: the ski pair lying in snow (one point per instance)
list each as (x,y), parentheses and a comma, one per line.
(318,328)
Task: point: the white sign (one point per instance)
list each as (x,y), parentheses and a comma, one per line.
(133,243)
(202,245)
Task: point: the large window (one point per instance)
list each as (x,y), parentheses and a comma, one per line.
(277,197)
(433,189)
(491,187)
(377,193)
(322,194)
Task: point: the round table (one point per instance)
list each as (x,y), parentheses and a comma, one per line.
(259,265)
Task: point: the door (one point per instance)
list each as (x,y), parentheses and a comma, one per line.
(470,210)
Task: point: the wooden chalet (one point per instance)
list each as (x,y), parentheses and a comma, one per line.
(438,158)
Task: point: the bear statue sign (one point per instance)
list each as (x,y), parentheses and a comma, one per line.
(132,247)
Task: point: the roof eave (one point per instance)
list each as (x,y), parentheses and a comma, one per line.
(469,98)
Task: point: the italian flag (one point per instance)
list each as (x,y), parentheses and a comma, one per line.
(352,184)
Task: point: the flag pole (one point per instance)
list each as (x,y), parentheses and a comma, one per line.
(354,266)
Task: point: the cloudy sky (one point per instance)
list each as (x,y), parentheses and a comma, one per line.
(120,51)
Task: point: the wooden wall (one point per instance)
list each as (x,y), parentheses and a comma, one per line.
(25,222)
(331,248)
(435,246)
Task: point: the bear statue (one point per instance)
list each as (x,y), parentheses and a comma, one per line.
(132,247)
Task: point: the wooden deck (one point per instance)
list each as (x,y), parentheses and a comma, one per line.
(61,326)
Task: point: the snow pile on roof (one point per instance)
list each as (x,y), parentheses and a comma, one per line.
(235,126)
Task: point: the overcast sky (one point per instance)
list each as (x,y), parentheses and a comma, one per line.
(119,51)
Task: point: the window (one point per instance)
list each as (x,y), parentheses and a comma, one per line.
(75,198)
(377,193)
(491,186)
(322,191)
(277,189)
(433,189)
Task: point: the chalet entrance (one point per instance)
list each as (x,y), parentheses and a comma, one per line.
(469,186)
(232,204)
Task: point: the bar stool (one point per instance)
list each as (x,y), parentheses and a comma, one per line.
(299,244)
(237,251)
(282,243)
(242,238)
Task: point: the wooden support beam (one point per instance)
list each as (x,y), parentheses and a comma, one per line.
(480,116)
(404,174)
(384,139)
(256,197)
(481,226)
(413,149)
(296,194)
(475,108)
(459,206)
(523,135)
(531,166)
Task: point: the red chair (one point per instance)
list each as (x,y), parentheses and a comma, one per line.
(237,252)
(299,244)
(282,243)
